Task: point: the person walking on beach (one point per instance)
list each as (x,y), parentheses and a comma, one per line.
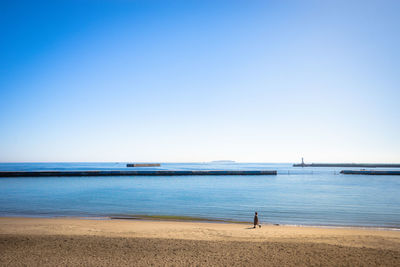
(256,222)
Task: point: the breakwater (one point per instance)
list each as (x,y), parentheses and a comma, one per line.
(143,165)
(361,165)
(131,173)
(370,172)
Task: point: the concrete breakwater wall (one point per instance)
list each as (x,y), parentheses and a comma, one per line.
(130,173)
(369,172)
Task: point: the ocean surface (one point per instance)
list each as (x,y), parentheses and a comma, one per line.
(296,196)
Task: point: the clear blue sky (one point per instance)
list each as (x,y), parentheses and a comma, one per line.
(181,81)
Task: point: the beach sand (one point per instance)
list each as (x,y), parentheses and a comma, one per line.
(76,241)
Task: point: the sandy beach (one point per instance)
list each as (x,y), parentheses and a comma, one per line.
(77,241)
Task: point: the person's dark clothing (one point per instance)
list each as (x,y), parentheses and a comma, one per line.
(255,220)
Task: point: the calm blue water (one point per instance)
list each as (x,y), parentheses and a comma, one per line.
(306,196)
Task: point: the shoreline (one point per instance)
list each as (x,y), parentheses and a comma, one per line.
(175,218)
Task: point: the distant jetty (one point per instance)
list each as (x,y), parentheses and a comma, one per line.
(143,165)
(355,165)
(369,172)
(131,173)
(361,165)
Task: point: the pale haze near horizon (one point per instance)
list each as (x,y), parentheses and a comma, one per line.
(195,81)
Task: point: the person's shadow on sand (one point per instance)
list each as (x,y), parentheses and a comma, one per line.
(248,228)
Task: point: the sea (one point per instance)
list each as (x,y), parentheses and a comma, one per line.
(306,196)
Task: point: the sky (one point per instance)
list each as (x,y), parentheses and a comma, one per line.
(195,81)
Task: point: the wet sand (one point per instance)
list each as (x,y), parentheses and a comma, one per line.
(74,241)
